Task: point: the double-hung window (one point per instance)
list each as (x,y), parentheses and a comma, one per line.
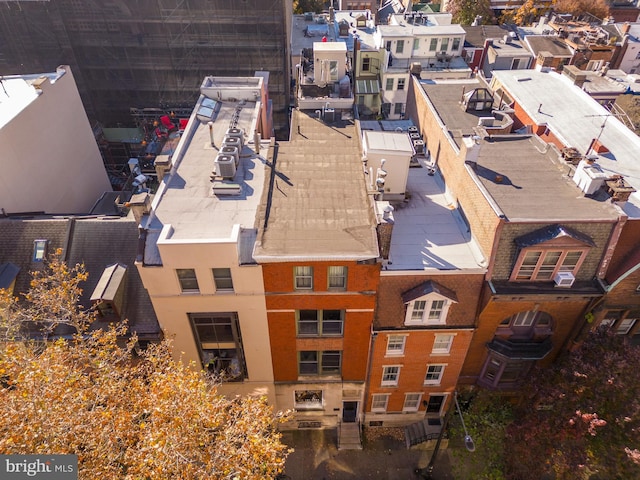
(390,375)
(411,402)
(389,84)
(303,278)
(395,344)
(379,402)
(416,43)
(400,46)
(434,374)
(320,322)
(222,279)
(442,343)
(433,45)
(427,312)
(188,280)
(319,362)
(337,278)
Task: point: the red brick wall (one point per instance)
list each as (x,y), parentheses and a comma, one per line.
(417,356)
(358,301)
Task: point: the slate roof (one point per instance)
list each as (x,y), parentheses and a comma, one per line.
(551,233)
(425,289)
(96,242)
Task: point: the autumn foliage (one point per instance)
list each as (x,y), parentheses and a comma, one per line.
(126,416)
(597,8)
(582,416)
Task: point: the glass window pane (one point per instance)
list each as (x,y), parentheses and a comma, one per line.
(337,277)
(222,278)
(331,361)
(187,279)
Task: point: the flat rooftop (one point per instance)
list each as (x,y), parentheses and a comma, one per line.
(428,232)
(523,176)
(185,199)
(316,204)
(17,92)
(576,119)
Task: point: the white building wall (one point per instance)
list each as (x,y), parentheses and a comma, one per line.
(50,160)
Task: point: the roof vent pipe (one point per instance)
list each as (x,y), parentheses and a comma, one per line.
(256,141)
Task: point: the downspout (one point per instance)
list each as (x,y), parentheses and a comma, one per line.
(372,344)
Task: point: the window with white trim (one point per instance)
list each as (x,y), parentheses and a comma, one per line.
(303,278)
(401,83)
(411,402)
(427,312)
(222,279)
(433,45)
(389,84)
(456,44)
(307,399)
(416,43)
(188,280)
(444,45)
(625,325)
(390,375)
(39,250)
(379,402)
(399,46)
(395,344)
(434,374)
(366,64)
(337,278)
(539,265)
(442,343)
(320,322)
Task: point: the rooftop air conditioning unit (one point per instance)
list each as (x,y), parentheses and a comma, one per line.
(225,166)
(564,279)
(232,152)
(232,142)
(418,146)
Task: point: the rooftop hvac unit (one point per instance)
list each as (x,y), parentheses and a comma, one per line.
(225,166)
(235,132)
(418,146)
(564,279)
(413,129)
(232,152)
(232,142)
(415,136)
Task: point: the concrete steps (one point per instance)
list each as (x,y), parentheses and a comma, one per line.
(349,437)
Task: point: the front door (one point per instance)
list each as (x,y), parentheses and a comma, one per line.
(349,411)
(435,404)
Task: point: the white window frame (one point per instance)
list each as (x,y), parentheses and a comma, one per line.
(393,372)
(389,83)
(438,369)
(416,43)
(431,305)
(625,325)
(393,340)
(222,277)
(333,274)
(402,82)
(439,340)
(411,407)
(301,273)
(377,399)
(187,279)
(40,247)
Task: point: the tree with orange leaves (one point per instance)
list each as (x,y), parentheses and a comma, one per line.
(126,417)
(597,8)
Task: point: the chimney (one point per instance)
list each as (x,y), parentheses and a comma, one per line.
(140,205)
(384,229)
(162,163)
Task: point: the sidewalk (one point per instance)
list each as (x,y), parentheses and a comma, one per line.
(383,457)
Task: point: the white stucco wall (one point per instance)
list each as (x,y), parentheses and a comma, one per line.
(50,160)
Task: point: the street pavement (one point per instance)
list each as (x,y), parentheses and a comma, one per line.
(384,457)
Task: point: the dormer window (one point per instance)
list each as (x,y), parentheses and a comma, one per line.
(39,250)
(546,252)
(428,304)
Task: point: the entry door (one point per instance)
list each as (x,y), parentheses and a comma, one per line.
(435,404)
(349,411)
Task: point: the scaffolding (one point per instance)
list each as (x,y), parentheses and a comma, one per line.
(148,53)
